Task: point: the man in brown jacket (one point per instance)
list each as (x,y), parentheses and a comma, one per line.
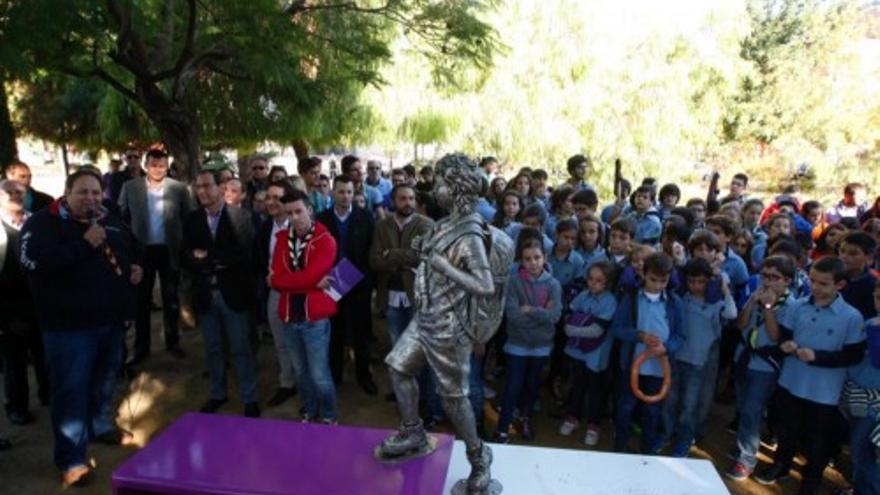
(394,259)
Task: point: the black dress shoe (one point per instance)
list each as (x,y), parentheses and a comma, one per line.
(20,418)
(251,410)
(772,474)
(176,352)
(116,436)
(369,386)
(281,396)
(5,444)
(212,405)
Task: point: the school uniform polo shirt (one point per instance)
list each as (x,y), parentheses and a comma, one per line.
(735,268)
(653,319)
(761,338)
(602,307)
(865,374)
(566,270)
(821,329)
(702,327)
(648,227)
(592,257)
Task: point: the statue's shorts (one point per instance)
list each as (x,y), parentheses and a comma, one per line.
(448,357)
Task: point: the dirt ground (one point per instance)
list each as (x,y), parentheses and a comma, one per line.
(168,388)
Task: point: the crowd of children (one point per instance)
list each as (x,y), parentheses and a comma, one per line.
(774,303)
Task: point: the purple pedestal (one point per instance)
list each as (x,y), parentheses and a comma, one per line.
(216,454)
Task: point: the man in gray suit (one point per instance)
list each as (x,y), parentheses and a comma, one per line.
(154,207)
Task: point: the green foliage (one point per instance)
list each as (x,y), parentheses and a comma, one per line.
(233,73)
(760,87)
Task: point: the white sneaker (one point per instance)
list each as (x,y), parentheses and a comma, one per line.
(592,436)
(568,426)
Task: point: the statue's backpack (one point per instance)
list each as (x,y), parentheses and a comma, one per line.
(486,312)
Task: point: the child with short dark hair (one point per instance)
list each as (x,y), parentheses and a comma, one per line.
(584,203)
(620,240)
(565,262)
(778,224)
(645,217)
(822,336)
(588,350)
(758,360)
(696,361)
(857,252)
(669,196)
(647,320)
(532,308)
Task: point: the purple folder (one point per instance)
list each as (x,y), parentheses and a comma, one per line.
(343,277)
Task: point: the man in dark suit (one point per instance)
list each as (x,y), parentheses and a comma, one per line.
(352,227)
(34,200)
(217,245)
(154,207)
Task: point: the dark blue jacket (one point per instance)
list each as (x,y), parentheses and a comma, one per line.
(625,321)
(73,284)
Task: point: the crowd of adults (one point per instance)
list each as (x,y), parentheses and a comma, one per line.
(771,302)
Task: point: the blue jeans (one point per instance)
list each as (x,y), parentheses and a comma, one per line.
(220,322)
(396,320)
(651,413)
(753,391)
(309,344)
(520,388)
(682,406)
(866,474)
(82,368)
(707,390)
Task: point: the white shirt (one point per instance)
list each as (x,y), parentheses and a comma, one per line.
(156,213)
(344,217)
(276,228)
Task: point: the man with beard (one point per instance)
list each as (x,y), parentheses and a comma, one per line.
(394,259)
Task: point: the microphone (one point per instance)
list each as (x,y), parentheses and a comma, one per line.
(94,214)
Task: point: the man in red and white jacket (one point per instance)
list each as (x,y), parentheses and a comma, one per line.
(303,257)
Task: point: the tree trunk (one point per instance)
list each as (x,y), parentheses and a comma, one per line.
(301,149)
(178,127)
(65,159)
(8,148)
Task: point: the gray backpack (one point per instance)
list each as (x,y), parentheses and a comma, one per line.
(482,318)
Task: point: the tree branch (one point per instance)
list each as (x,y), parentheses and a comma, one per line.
(139,64)
(302,6)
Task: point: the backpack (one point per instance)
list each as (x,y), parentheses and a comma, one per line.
(482,318)
(488,311)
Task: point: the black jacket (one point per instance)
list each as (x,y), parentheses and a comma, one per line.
(357,245)
(73,284)
(262,258)
(16,304)
(229,258)
(39,200)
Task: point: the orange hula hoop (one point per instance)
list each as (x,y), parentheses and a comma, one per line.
(634,378)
